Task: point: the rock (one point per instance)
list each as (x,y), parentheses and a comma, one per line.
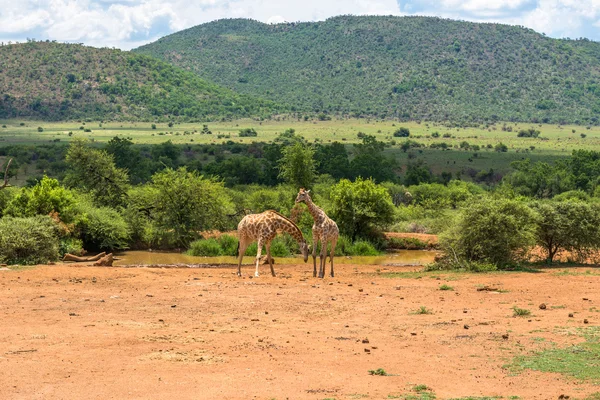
(585,321)
(365,340)
(466,326)
(542,306)
(505,336)
(570,315)
(367,350)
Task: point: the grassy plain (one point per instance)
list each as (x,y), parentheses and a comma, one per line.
(554,142)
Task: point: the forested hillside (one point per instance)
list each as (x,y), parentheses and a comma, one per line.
(406,67)
(67,81)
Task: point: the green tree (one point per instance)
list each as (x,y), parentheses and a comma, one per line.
(297,165)
(540,179)
(128,157)
(186,203)
(370,162)
(45,197)
(499,232)
(94,171)
(572,226)
(359,207)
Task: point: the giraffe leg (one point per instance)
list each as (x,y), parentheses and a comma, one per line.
(258,256)
(323,258)
(333,244)
(314,254)
(243,245)
(268,248)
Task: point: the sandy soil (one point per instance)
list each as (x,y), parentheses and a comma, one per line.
(80,332)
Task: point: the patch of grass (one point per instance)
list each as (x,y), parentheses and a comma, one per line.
(581,361)
(423,310)
(421,388)
(446,287)
(482,398)
(378,372)
(520,312)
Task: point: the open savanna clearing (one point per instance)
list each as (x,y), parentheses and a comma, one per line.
(97,333)
(467,147)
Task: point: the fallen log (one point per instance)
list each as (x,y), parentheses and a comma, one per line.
(71,257)
(106,261)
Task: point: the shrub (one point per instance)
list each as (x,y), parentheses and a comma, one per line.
(102,228)
(31,240)
(402,132)
(498,232)
(71,245)
(408,243)
(205,247)
(362,248)
(248,132)
(229,245)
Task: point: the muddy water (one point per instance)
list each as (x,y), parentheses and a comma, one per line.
(403,257)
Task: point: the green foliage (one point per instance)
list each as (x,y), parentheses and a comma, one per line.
(445,287)
(531,133)
(101,228)
(110,84)
(572,226)
(370,162)
(31,240)
(71,245)
(248,132)
(402,132)
(520,312)
(401,72)
(498,232)
(360,206)
(297,165)
(408,243)
(378,372)
(94,171)
(45,197)
(187,203)
(228,245)
(423,310)
(205,247)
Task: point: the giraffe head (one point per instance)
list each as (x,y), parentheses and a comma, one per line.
(303,195)
(304,249)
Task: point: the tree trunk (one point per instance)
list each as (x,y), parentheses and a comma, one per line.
(71,257)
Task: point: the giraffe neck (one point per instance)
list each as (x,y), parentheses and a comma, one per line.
(291,228)
(314,210)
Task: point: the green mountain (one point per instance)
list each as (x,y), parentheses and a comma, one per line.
(69,81)
(405,67)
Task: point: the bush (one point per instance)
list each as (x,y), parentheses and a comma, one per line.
(102,228)
(363,248)
(402,132)
(408,243)
(205,247)
(229,245)
(498,232)
(31,240)
(71,245)
(248,132)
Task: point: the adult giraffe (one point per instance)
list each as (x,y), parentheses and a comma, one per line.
(263,228)
(324,229)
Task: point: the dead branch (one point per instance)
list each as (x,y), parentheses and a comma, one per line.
(71,257)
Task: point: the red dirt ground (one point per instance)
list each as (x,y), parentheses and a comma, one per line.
(79,332)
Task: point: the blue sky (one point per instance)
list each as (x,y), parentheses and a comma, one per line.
(127,24)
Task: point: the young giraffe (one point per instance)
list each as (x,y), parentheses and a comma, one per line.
(263,228)
(324,229)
